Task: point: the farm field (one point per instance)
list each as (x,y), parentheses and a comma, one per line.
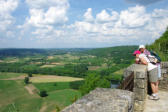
(52,78)
(15,97)
(10,76)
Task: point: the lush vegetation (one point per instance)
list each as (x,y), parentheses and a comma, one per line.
(160,46)
(73,63)
(96,66)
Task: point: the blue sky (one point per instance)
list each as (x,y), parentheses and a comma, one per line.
(81,23)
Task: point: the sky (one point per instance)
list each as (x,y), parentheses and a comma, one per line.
(81,23)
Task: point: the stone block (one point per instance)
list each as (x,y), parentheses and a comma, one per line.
(140,83)
(139,105)
(127,73)
(140,75)
(163,71)
(164,65)
(140,94)
(165,75)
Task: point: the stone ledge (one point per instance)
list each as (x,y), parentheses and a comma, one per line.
(104,100)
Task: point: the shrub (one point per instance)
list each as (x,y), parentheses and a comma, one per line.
(74,99)
(26,80)
(58,108)
(43,93)
(76,84)
(30,75)
(55,84)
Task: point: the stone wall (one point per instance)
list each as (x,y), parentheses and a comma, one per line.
(104,100)
(117,100)
(163,83)
(140,85)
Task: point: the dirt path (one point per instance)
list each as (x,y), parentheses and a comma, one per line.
(31,89)
(43,108)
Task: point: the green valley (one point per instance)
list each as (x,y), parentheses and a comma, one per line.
(63,74)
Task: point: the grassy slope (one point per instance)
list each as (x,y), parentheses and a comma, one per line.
(4,75)
(13,92)
(52,86)
(15,97)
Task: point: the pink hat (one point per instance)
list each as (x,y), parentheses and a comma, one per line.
(136,52)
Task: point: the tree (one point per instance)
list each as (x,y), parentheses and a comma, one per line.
(58,108)
(104,72)
(92,81)
(30,75)
(55,84)
(26,80)
(43,93)
(81,69)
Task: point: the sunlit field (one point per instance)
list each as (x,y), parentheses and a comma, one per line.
(51,78)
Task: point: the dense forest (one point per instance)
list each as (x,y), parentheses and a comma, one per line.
(160,46)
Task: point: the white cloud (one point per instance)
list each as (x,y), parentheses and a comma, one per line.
(6,19)
(88,15)
(160,13)
(47,12)
(85,27)
(7,6)
(54,15)
(131,26)
(47,3)
(45,18)
(104,16)
(133,17)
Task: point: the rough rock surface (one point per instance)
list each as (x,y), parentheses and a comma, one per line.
(163,83)
(104,100)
